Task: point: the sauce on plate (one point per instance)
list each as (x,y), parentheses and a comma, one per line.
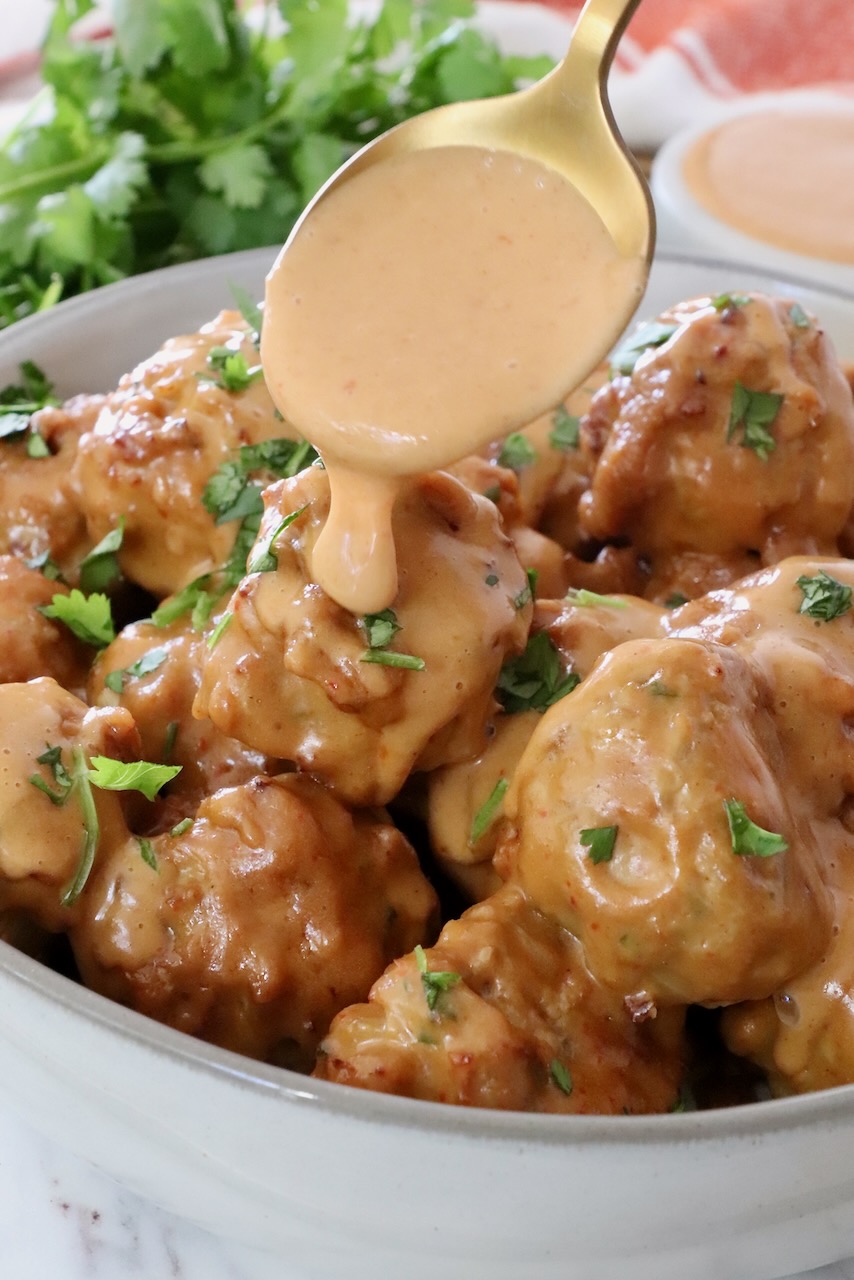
(781,176)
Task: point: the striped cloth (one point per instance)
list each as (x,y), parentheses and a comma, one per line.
(680,59)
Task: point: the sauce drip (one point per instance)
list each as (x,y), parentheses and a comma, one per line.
(782,177)
(432,303)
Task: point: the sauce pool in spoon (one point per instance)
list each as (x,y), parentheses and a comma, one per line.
(427,306)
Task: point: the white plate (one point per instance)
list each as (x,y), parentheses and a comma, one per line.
(352,1186)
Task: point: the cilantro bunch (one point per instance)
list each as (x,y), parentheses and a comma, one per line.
(199,128)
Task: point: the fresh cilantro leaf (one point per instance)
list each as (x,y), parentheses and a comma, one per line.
(748,840)
(169,740)
(100,568)
(381,628)
(564,434)
(115,186)
(824,597)
(435,983)
(534,680)
(46,566)
(753,412)
(52,757)
(182,826)
(91,827)
(600,841)
(488,812)
(560,1076)
(139,775)
(590,599)
(528,592)
(517,452)
(88,617)
(240,173)
(182,602)
(648,335)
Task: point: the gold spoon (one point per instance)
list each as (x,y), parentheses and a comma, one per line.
(564,121)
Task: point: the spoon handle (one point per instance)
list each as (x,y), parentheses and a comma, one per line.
(594,42)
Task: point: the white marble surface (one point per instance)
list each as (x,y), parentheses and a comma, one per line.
(61,1218)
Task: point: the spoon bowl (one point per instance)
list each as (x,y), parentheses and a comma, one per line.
(564,121)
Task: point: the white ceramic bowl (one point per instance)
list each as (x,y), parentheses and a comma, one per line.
(345,1184)
(687,226)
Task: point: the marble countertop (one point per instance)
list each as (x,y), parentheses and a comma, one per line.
(61,1218)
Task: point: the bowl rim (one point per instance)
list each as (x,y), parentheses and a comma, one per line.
(746,1122)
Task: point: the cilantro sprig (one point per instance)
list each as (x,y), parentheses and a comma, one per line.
(652,333)
(20,400)
(193,132)
(90,618)
(77,778)
(488,812)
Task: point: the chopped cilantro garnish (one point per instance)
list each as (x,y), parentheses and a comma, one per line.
(264,558)
(600,841)
(528,592)
(651,334)
(231,369)
(535,679)
(384,658)
(146,852)
(435,984)
(37,446)
(46,566)
(517,452)
(560,1076)
(824,597)
(493,493)
(799,317)
(100,568)
(589,599)
(89,617)
(747,839)
(381,628)
(675,600)
(220,628)
(726,301)
(185,601)
(564,434)
(250,311)
(182,826)
(488,811)
(169,740)
(143,666)
(753,412)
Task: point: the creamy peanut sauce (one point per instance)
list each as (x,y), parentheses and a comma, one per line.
(429,305)
(781,176)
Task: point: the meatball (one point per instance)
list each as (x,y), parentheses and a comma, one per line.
(459,794)
(503,1012)
(796,625)
(42,838)
(155,672)
(652,815)
(157,441)
(294,675)
(40,515)
(734,436)
(252,928)
(32,645)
